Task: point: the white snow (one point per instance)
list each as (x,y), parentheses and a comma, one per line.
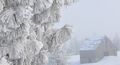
(74,60)
(109,60)
(91,43)
(3,61)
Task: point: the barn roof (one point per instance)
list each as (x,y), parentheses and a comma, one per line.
(92,43)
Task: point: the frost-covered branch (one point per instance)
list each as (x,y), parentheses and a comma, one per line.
(27,36)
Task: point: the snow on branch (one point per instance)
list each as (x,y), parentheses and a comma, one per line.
(27,35)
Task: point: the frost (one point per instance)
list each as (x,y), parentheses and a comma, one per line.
(27,35)
(92,43)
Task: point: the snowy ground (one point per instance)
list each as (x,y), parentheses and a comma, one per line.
(74,60)
(110,60)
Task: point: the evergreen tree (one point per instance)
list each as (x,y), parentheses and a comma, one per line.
(27,35)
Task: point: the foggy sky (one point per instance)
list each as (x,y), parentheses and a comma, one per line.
(93,17)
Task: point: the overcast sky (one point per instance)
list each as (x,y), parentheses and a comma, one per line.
(93,17)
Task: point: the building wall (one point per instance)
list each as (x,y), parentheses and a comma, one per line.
(91,56)
(99,52)
(87,56)
(112,50)
(105,48)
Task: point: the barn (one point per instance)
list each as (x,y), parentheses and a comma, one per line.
(96,48)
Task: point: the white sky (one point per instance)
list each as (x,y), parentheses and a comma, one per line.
(91,17)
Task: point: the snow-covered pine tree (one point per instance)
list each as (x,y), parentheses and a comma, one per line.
(27,35)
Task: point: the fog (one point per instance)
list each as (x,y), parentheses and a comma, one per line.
(92,17)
